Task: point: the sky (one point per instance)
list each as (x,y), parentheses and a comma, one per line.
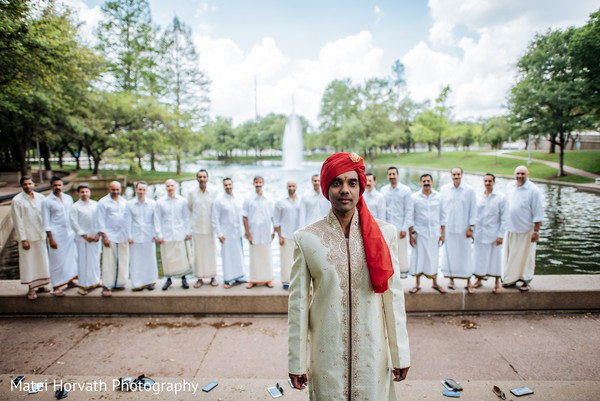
(291,50)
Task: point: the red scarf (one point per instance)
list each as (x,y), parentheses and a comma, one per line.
(379,260)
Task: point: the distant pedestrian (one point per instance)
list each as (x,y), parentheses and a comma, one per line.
(286,220)
(142,228)
(200,202)
(228,226)
(110,219)
(490,224)
(524,215)
(174,234)
(426,234)
(87,240)
(373,198)
(62,252)
(26,212)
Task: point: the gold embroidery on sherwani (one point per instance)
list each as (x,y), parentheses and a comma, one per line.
(332,238)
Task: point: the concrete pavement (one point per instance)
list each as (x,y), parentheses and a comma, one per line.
(556,355)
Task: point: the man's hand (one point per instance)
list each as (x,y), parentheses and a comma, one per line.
(498,241)
(413,241)
(222,240)
(188,237)
(535,237)
(52,243)
(442,239)
(160,240)
(130,240)
(299,381)
(26,245)
(281,241)
(400,373)
(249,236)
(469,232)
(106,242)
(402,234)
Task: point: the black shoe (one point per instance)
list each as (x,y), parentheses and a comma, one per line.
(167,284)
(150,288)
(184,283)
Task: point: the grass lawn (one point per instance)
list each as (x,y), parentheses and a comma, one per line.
(584,160)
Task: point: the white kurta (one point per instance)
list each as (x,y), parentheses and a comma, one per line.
(174,222)
(88,253)
(227,223)
(428,216)
(376,204)
(524,207)
(489,226)
(345,337)
(457,253)
(259,212)
(26,215)
(204,247)
(110,220)
(287,218)
(399,212)
(313,207)
(142,224)
(63,260)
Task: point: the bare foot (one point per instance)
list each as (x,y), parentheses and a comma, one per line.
(414,290)
(270,285)
(470,290)
(477,284)
(226,285)
(81,291)
(250,285)
(497,290)
(439,289)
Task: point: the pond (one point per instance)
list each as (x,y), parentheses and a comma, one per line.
(569,237)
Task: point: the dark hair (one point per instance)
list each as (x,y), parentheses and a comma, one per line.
(25,178)
(425,175)
(227,178)
(140,182)
(314,175)
(201,171)
(55,178)
(258,177)
(393,168)
(372,175)
(492,175)
(461,170)
(82,186)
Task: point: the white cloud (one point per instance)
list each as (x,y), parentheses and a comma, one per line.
(88,17)
(204,8)
(378,14)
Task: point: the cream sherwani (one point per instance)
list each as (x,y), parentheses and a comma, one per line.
(56,217)
(27,221)
(174,224)
(313,207)
(489,225)
(227,223)
(88,253)
(205,257)
(142,223)
(428,216)
(345,337)
(110,220)
(524,207)
(259,212)
(399,212)
(287,218)
(457,253)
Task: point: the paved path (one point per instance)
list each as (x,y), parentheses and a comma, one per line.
(556,355)
(568,169)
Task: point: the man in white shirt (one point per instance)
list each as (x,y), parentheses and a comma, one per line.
(313,205)
(228,226)
(200,203)
(62,253)
(374,199)
(489,229)
(142,226)
(87,240)
(26,211)
(524,215)
(286,220)
(174,234)
(399,211)
(460,205)
(110,221)
(426,234)
(258,218)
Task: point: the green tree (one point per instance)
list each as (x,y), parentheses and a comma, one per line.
(339,102)
(221,136)
(442,112)
(495,131)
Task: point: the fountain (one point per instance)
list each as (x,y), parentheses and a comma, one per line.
(292,144)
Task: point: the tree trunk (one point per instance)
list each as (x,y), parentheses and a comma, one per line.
(178,155)
(97,161)
(45,150)
(561,157)
(152,160)
(60,158)
(552,144)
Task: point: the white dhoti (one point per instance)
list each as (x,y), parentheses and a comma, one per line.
(88,263)
(115,265)
(143,266)
(457,256)
(487,260)
(232,254)
(403,255)
(261,264)
(518,258)
(205,258)
(62,261)
(425,256)
(175,256)
(33,264)
(286,259)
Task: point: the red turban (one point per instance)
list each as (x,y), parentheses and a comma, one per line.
(379,260)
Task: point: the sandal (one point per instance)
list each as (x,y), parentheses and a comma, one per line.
(43,289)
(414,290)
(106,293)
(226,286)
(270,284)
(214,282)
(81,291)
(524,287)
(250,285)
(439,289)
(496,390)
(59,293)
(198,283)
(31,295)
